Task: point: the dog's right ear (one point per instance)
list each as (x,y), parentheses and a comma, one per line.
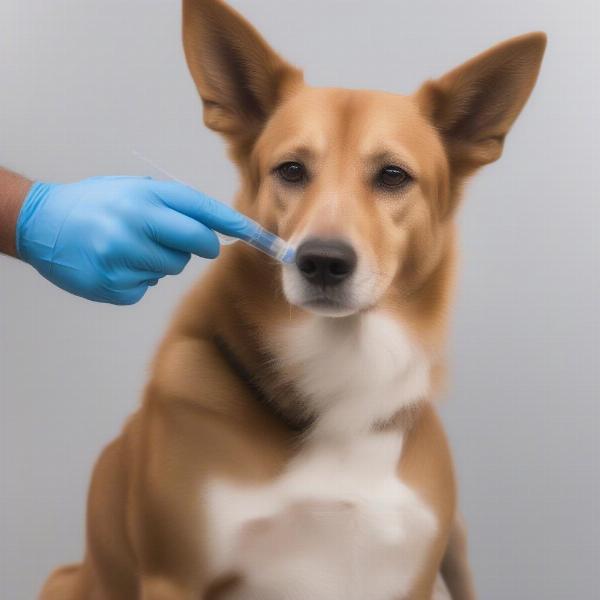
(241,79)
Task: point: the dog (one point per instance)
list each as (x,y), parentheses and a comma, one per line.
(288,446)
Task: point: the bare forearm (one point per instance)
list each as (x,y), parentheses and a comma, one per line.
(13,189)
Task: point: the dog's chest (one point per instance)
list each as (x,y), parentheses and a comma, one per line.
(338,523)
(352,373)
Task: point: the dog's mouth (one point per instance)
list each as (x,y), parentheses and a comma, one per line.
(327,306)
(326,301)
(351,298)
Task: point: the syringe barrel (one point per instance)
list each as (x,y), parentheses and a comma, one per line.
(269,243)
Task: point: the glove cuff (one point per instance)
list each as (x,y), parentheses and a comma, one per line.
(28,242)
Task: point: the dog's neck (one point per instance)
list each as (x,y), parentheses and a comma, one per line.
(327,376)
(353,373)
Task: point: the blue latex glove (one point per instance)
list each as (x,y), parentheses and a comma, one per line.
(109,238)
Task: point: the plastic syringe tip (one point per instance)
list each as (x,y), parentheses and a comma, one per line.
(265,241)
(269,243)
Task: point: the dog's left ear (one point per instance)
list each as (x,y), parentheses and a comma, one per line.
(474,106)
(240,78)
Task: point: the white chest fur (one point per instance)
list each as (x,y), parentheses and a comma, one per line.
(338,523)
(353,372)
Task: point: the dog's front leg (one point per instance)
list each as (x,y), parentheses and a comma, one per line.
(198,425)
(455,566)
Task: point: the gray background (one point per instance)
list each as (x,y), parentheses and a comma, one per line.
(82,83)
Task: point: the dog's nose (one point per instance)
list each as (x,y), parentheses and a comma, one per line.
(325,262)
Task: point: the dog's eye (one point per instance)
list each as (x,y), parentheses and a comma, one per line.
(292,172)
(393,177)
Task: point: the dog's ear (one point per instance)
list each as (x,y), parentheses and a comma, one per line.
(474,105)
(240,78)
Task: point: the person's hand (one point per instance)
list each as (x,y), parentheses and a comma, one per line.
(109,238)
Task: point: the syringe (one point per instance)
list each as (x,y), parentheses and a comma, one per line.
(265,241)
(255,235)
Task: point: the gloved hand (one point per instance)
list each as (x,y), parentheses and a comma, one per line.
(109,238)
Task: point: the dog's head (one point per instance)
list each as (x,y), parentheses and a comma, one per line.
(363,183)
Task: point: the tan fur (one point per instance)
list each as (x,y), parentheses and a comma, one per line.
(218,402)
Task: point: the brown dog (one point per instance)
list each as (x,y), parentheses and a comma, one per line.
(287,446)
